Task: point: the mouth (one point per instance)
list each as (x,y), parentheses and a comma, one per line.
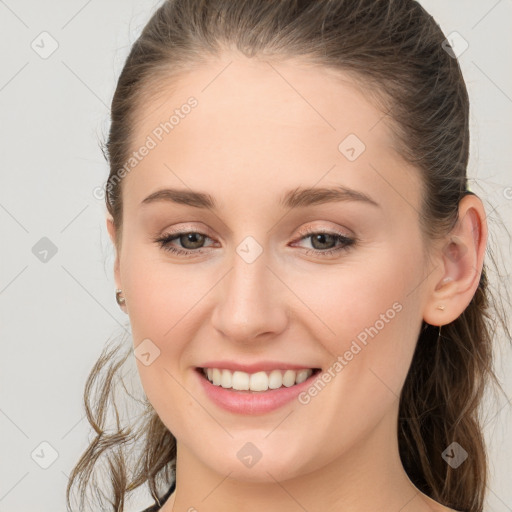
(261,381)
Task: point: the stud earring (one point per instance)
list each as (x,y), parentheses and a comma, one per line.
(441,307)
(120,300)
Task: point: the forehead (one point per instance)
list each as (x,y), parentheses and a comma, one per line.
(259,96)
(256,122)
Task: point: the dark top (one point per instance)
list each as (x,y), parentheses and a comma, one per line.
(155,507)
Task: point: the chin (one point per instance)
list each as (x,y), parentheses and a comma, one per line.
(266,470)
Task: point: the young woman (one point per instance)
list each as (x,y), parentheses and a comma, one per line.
(301,263)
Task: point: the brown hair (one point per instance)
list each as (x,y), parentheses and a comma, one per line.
(393,49)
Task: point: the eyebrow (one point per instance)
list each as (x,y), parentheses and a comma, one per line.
(296,198)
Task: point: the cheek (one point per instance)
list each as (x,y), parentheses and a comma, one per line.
(371,318)
(353,300)
(167,305)
(159,295)
(161,300)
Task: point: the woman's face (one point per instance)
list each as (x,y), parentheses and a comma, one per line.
(257,287)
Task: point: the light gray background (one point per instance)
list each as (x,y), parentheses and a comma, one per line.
(57,315)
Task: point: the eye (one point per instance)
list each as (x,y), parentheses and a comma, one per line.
(320,239)
(189,239)
(192,242)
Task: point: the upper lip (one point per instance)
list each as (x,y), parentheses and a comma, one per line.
(260,366)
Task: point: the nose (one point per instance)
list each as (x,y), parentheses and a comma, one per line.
(250,301)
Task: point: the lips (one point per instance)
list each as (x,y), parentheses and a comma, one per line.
(249,402)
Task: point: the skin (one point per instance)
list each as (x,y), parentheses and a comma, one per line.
(257,132)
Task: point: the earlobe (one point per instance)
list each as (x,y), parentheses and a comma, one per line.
(461,259)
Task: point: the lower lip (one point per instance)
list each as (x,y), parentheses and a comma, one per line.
(252,402)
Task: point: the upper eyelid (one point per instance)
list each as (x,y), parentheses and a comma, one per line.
(302,235)
(208,232)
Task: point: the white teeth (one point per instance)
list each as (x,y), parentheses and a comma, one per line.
(275,379)
(216,376)
(289,378)
(225,380)
(259,381)
(240,380)
(302,375)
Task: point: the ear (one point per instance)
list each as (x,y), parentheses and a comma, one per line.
(117,274)
(461,259)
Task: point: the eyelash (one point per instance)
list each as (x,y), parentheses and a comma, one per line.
(347,242)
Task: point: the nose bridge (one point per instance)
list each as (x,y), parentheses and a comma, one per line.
(249,275)
(249,301)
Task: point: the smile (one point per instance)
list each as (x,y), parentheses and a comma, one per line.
(262,392)
(259,381)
